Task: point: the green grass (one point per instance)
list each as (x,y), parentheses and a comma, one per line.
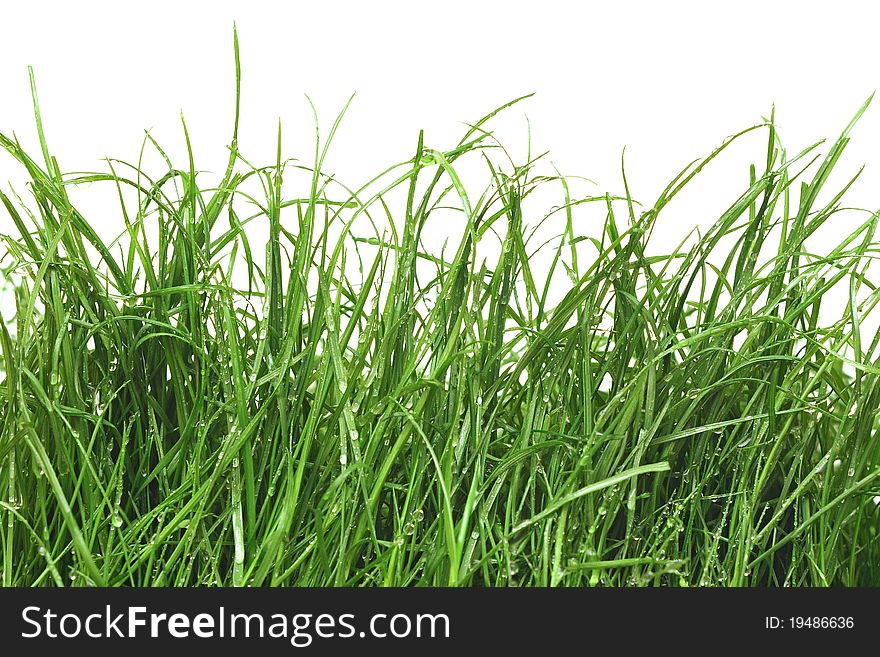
(345,403)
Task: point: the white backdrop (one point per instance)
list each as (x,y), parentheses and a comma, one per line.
(668,80)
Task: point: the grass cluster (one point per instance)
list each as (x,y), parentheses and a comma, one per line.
(344,403)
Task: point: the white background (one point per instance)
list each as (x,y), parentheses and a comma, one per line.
(668,80)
